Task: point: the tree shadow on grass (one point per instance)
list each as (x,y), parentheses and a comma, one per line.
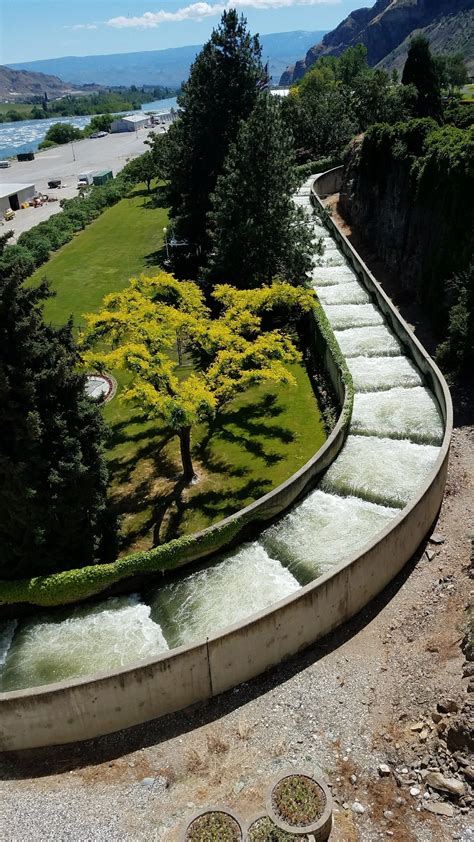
(162,515)
(157,258)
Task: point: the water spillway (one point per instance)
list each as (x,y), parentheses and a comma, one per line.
(392,447)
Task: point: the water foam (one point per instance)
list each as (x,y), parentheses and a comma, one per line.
(344,316)
(370,374)
(82,641)
(322,531)
(399,413)
(376,341)
(207,600)
(380,470)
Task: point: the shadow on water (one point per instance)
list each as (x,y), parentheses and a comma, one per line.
(37,763)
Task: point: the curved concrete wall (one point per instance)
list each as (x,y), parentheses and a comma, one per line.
(80,709)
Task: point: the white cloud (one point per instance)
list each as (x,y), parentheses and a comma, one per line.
(82,26)
(199,11)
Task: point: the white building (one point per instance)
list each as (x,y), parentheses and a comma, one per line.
(130,123)
(12,195)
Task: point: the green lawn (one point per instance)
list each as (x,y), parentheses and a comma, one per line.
(122,242)
(260,440)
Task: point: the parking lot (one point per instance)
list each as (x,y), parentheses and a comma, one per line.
(66,162)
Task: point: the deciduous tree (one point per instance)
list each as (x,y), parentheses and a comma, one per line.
(138,327)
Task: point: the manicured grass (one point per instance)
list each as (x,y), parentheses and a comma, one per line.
(122,242)
(260,439)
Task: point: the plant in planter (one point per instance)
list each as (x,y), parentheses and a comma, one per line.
(214,825)
(300,803)
(262,829)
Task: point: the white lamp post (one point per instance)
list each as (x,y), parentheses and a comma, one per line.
(165,231)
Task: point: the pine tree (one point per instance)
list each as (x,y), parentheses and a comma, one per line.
(53,477)
(420,71)
(221,91)
(256,231)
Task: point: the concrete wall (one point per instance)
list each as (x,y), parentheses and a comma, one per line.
(80,709)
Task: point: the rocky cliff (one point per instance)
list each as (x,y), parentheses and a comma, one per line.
(409,188)
(386,28)
(18,84)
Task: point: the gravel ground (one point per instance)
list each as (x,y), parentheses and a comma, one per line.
(364,696)
(66,162)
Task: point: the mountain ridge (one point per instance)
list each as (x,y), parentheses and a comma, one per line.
(386,27)
(169,67)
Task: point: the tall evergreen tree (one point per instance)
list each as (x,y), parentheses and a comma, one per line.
(53,476)
(256,231)
(221,91)
(420,71)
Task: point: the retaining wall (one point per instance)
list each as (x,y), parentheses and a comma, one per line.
(80,709)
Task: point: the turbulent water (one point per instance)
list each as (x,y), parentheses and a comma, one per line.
(392,446)
(309,540)
(109,634)
(205,601)
(26,135)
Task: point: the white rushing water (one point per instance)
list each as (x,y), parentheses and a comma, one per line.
(389,452)
(351,293)
(376,341)
(344,316)
(83,640)
(322,531)
(323,276)
(7,631)
(205,601)
(399,413)
(381,470)
(370,374)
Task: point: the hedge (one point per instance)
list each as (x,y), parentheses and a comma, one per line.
(34,246)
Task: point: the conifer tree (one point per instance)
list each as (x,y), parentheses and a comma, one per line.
(221,91)
(420,71)
(53,477)
(256,231)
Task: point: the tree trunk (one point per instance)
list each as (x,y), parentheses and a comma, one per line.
(185,447)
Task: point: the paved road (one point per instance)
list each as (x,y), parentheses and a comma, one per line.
(66,162)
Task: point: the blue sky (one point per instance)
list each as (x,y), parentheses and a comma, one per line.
(34,29)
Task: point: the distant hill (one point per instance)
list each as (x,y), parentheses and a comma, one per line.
(164,67)
(15,84)
(385,30)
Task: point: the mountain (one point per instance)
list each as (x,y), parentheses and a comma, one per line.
(164,67)
(20,83)
(386,28)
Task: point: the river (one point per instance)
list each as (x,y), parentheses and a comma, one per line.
(26,135)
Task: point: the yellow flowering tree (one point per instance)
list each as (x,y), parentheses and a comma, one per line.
(138,327)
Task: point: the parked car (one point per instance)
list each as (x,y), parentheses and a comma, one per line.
(99,134)
(5,164)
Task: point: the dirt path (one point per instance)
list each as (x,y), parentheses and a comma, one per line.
(367,695)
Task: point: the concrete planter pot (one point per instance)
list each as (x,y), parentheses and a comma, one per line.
(320,828)
(236,833)
(277,836)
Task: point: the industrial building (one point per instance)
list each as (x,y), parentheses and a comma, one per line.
(130,123)
(13,195)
